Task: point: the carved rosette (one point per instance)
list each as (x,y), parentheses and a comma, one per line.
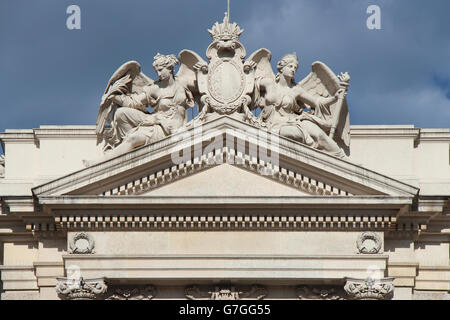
(320,293)
(369,243)
(370,289)
(81,243)
(81,289)
(196,292)
(131,293)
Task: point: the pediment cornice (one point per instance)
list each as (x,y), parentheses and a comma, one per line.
(298,166)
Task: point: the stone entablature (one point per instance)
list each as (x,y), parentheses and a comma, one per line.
(354,289)
(19,177)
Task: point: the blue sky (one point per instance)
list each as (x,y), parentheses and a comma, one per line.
(52,75)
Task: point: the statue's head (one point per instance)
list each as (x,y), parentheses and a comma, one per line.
(287,60)
(161,62)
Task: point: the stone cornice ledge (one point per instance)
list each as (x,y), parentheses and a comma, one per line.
(19,204)
(225,125)
(13,267)
(376,131)
(435,135)
(307,201)
(255,267)
(64,132)
(224,256)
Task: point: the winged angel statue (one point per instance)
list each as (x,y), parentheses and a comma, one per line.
(124,122)
(313,112)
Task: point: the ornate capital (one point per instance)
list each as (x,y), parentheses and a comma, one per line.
(225,292)
(81,289)
(370,289)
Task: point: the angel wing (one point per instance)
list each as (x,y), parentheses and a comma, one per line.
(335,118)
(127,79)
(260,60)
(190,64)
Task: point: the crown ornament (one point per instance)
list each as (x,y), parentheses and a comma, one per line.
(226,30)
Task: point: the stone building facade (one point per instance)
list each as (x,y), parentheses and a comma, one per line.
(138,226)
(228,205)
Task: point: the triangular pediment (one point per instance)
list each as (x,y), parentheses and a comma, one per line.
(216,166)
(229,180)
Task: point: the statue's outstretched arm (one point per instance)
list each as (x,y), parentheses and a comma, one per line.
(135,101)
(314,101)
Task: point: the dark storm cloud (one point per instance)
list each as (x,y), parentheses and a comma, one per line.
(51,75)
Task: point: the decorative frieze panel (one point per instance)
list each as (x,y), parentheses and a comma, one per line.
(321,293)
(197,292)
(81,289)
(81,243)
(273,222)
(370,289)
(131,293)
(354,289)
(225,222)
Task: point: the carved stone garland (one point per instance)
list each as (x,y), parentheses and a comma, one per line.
(131,293)
(354,289)
(320,293)
(196,292)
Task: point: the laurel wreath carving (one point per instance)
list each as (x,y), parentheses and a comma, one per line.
(79,236)
(368,236)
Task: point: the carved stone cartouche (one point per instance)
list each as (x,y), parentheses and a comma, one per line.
(197,292)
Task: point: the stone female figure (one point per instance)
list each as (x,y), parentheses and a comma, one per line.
(302,112)
(129,94)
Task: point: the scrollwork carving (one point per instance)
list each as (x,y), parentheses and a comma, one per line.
(320,293)
(131,293)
